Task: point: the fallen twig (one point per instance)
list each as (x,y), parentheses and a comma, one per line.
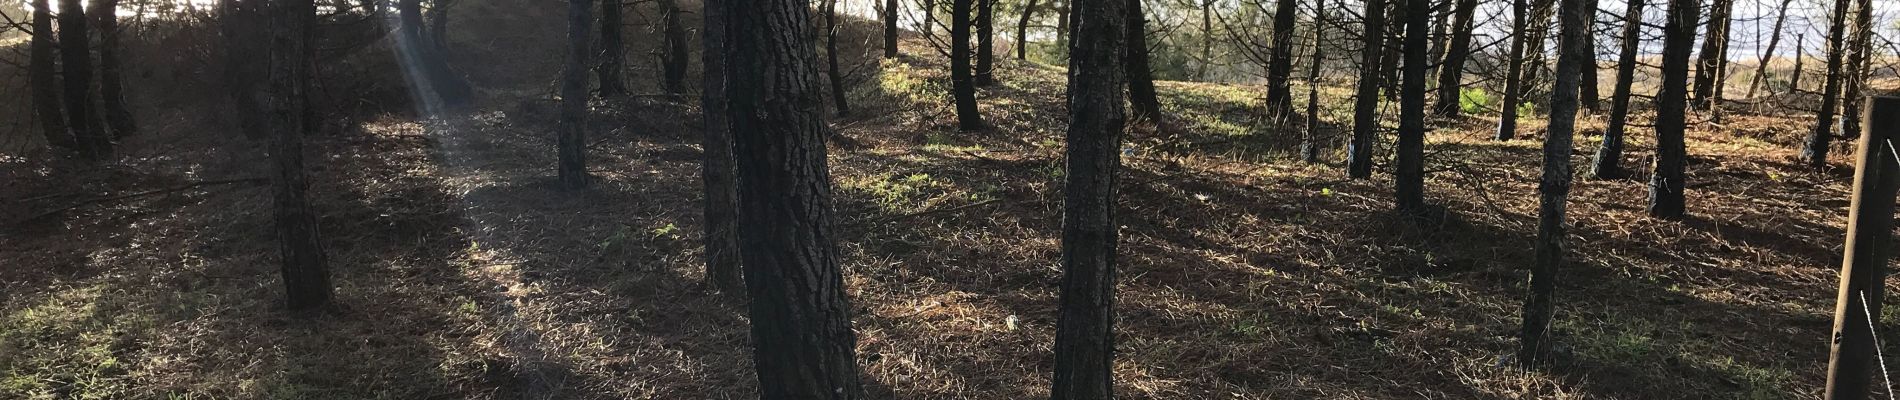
(178,188)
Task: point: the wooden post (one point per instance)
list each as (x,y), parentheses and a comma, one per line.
(1863,271)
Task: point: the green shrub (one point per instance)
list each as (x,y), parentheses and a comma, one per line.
(1475,101)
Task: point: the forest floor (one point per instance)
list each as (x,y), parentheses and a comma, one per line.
(463,273)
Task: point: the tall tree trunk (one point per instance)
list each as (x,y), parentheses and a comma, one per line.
(439,23)
(74,42)
(240,23)
(1573,52)
(1587,92)
(962,84)
(1451,75)
(1280,63)
(111,75)
(1768,54)
(834,74)
(1207,40)
(1062,27)
(1141,82)
(1800,53)
(1022,30)
(675,53)
(1085,339)
(1514,73)
(1609,156)
(1410,174)
(572,143)
(1818,143)
(1365,116)
(985,42)
(1537,33)
(45,80)
(611,72)
(801,322)
(1708,63)
(1395,34)
(1854,81)
(1665,184)
(300,242)
(890,28)
(718,171)
(1441,21)
(442,87)
(1309,143)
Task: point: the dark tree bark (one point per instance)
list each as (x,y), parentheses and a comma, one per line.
(1410,176)
(1514,73)
(839,103)
(1814,152)
(111,74)
(1395,51)
(239,24)
(1365,120)
(74,42)
(1085,338)
(801,323)
(1537,33)
(962,84)
(1280,63)
(45,80)
(674,56)
(1451,74)
(1309,143)
(1022,30)
(439,23)
(1665,184)
(1800,53)
(572,143)
(1141,82)
(1768,54)
(890,29)
(718,171)
(1062,27)
(1441,20)
(1588,95)
(442,88)
(300,241)
(1207,40)
(1609,156)
(985,42)
(1854,81)
(1573,53)
(613,50)
(1709,62)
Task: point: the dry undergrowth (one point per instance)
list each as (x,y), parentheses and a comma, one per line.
(462,273)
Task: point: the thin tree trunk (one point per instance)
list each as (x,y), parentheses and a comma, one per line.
(675,53)
(444,88)
(1587,92)
(1280,64)
(801,322)
(890,28)
(985,42)
(1609,156)
(834,75)
(1309,143)
(239,24)
(1514,74)
(962,84)
(1800,53)
(1207,40)
(1451,75)
(1022,30)
(1062,28)
(111,75)
(45,80)
(1541,13)
(1085,344)
(1814,152)
(1365,119)
(1768,54)
(1439,37)
(300,242)
(1854,81)
(1141,83)
(1666,183)
(1410,175)
(74,43)
(718,171)
(1708,64)
(612,69)
(439,23)
(1573,51)
(572,144)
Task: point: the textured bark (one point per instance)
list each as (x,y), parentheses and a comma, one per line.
(1280,62)
(74,41)
(1609,156)
(803,346)
(111,75)
(1854,73)
(1800,53)
(1514,72)
(613,50)
(1588,96)
(674,56)
(1573,53)
(1768,54)
(833,74)
(572,143)
(1814,152)
(1365,120)
(717,170)
(962,84)
(890,29)
(1451,74)
(1141,82)
(1022,30)
(1309,143)
(985,42)
(45,80)
(1085,339)
(1409,184)
(1062,27)
(1708,66)
(1665,183)
(1207,40)
(300,244)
